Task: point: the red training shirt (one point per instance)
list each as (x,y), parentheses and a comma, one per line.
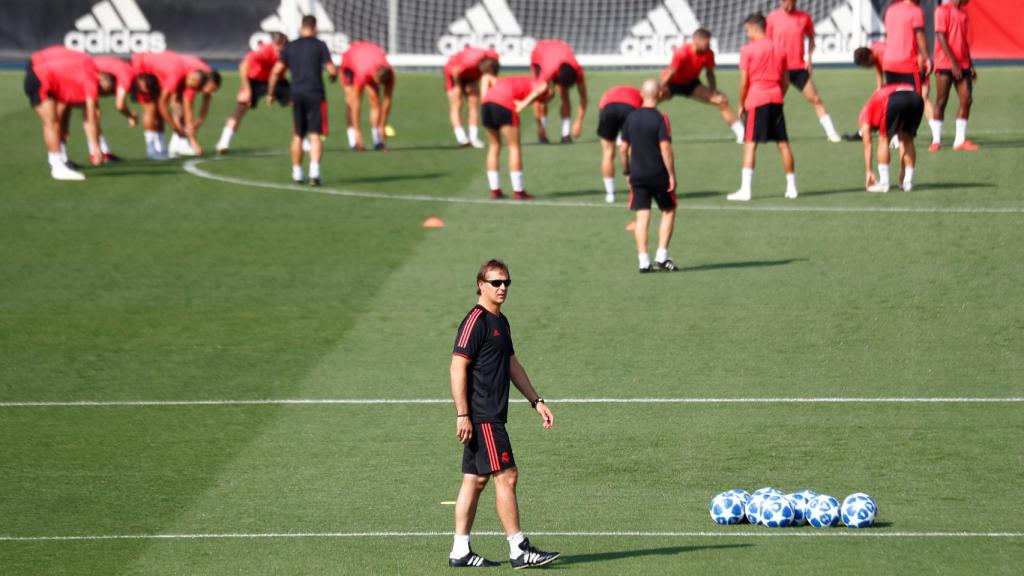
(466,62)
(120,69)
(764,66)
(507,90)
(622,95)
(874,111)
(688,63)
(68,81)
(549,55)
(788,30)
(952,21)
(261,62)
(901,20)
(362,60)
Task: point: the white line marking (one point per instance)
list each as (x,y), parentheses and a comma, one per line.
(836,533)
(385,401)
(192,167)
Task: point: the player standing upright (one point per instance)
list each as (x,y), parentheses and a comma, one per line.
(502,103)
(763,82)
(253,74)
(953,66)
(788,28)
(895,112)
(483,363)
(616,105)
(365,66)
(553,62)
(462,78)
(682,76)
(905,60)
(305,58)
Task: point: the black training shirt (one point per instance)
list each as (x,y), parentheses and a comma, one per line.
(486,340)
(645,129)
(305,59)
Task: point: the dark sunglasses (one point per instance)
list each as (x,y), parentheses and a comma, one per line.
(497,283)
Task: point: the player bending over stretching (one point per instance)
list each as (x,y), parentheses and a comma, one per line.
(365,65)
(463,75)
(893,111)
(502,103)
(253,74)
(615,106)
(553,62)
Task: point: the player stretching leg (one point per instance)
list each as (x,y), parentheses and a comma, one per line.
(953,66)
(894,112)
(553,62)
(483,362)
(253,74)
(616,105)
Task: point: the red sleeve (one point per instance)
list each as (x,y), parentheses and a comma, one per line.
(709,61)
(665,131)
(941,20)
(917,22)
(745,60)
(808,26)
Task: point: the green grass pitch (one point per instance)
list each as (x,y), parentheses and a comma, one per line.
(150,283)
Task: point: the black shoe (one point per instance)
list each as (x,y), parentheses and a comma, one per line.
(667,266)
(315,182)
(646,269)
(379,146)
(471,560)
(852,137)
(544,140)
(566,139)
(111,157)
(532,557)
(72,165)
(298,180)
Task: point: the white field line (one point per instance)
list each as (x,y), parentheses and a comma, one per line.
(837,533)
(386,401)
(192,167)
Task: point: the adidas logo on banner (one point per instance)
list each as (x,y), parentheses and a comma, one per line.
(488,23)
(664,29)
(276,22)
(840,33)
(114,26)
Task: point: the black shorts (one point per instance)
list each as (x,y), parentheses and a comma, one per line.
(282,92)
(915,80)
(765,123)
(640,196)
(489,450)
(965,78)
(684,89)
(799,78)
(309,114)
(611,119)
(903,113)
(493,115)
(32,86)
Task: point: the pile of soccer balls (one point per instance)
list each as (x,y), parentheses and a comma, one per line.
(772,508)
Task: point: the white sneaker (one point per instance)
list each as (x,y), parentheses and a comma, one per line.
(223,148)
(739,196)
(908,186)
(791,193)
(62,172)
(834,138)
(476,143)
(739,139)
(879,187)
(610,198)
(157,156)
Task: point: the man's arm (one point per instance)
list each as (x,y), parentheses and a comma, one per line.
(709,73)
(668,157)
(923,62)
(958,73)
(190,123)
(625,149)
(865,136)
(666,74)
(203,110)
(275,75)
(92,130)
(577,126)
(121,105)
(522,383)
(460,388)
(744,84)
(332,71)
(244,89)
(809,32)
(164,107)
(522,104)
(385,106)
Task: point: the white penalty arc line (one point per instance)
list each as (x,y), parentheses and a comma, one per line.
(611,534)
(192,167)
(562,401)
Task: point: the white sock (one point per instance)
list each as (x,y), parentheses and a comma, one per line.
(961,131)
(883,174)
(297,172)
(737,129)
(351,137)
(517,181)
(746,176)
(460,135)
(104,148)
(225,137)
(493,180)
(791,181)
(474,132)
(375,132)
(908,177)
(544,121)
(513,545)
(826,123)
(63,152)
(936,126)
(661,255)
(566,127)
(645,259)
(149,136)
(314,169)
(161,143)
(92,149)
(54,159)
(460,547)
(609,185)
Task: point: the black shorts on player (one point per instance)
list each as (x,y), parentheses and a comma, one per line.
(32,86)
(765,123)
(903,113)
(309,114)
(965,77)
(799,78)
(488,451)
(684,89)
(915,80)
(494,116)
(611,119)
(282,92)
(640,196)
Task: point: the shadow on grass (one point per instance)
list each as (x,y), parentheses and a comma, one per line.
(391,178)
(620,554)
(747,264)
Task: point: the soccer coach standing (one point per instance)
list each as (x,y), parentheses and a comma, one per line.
(305,57)
(483,362)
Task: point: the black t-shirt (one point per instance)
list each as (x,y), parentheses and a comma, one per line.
(645,129)
(486,340)
(305,59)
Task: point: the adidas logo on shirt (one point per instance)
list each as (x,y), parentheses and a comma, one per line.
(662,30)
(114,26)
(488,23)
(336,41)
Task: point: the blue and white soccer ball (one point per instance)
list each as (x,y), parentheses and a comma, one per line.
(727,508)
(859,510)
(741,494)
(767,491)
(800,501)
(754,508)
(823,511)
(777,511)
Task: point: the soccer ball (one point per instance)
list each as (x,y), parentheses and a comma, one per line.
(823,511)
(800,502)
(754,508)
(777,511)
(767,491)
(859,510)
(727,508)
(741,494)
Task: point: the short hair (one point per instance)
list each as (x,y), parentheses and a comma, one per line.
(702,33)
(308,21)
(215,78)
(862,57)
(566,76)
(491,264)
(278,38)
(756,19)
(150,85)
(384,75)
(203,77)
(490,66)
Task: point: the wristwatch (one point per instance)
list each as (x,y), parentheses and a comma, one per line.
(535,402)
